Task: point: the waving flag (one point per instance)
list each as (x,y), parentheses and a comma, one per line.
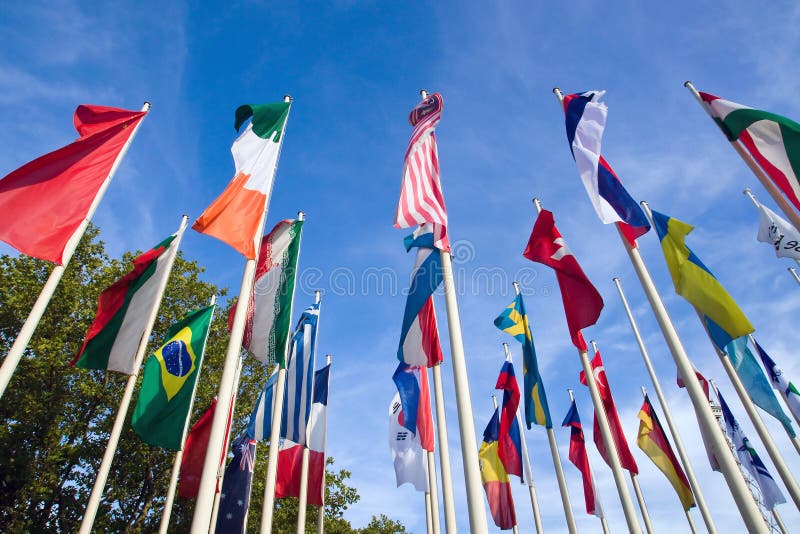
(625,456)
(778,232)
(580,459)
(750,459)
(421,199)
(582,302)
(712,459)
(654,442)
(410,460)
(514,321)
(235,215)
(170,374)
(194,453)
(495,478)
(772,140)
(695,282)
(269,319)
(123,309)
(780,383)
(44,202)
(758,387)
(419,335)
(509,446)
(585,122)
(412,386)
(260,426)
(234,500)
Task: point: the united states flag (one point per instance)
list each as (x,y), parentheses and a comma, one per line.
(421,197)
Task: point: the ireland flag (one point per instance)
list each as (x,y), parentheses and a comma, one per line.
(124,308)
(772,140)
(169,380)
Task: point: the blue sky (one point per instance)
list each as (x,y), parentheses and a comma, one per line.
(354,70)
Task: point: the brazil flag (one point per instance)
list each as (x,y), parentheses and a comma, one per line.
(164,400)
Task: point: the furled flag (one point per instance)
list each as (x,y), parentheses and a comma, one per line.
(419,335)
(514,321)
(778,232)
(782,385)
(235,215)
(43,203)
(421,197)
(694,282)
(509,442)
(234,499)
(266,331)
(412,386)
(755,382)
(290,456)
(712,459)
(625,456)
(297,398)
(580,459)
(772,140)
(495,478)
(585,121)
(750,459)
(654,442)
(170,375)
(582,302)
(123,310)
(410,460)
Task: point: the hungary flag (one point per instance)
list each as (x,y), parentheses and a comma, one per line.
(772,140)
(235,215)
(170,374)
(266,332)
(123,310)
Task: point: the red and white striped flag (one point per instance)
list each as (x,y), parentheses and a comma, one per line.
(421,197)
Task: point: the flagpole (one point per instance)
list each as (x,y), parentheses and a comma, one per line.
(434,490)
(119,422)
(794,274)
(526,460)
(17,349)
(562,482)
(176,465)
(691,521)
(321,508)
(773,191)
(228,383)
(755,202)
(428,508)
(779,521)
(687,466)
(444,453)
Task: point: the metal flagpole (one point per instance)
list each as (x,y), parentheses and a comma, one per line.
(17,349)
(444,453)
(562,482)
(228,384)
(434,490)
(321,509)
(687,466)
(773,191)
(526,461)
(755,202)
(642,505)
(779,521)
(794,274)
(692,526)
(176,465)
(428,514)
(119,422)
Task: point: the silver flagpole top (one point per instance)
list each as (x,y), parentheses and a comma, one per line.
(571,396)
(287,98)
(317,296)
(146,106)
(423,93)
(516,287)
(494,401)
(593,344)
(644,392)
(301,216)
(538,204)
(328,359)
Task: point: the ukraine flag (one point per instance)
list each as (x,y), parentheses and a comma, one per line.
(694,282)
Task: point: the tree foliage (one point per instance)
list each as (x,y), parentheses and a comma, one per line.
(57,419)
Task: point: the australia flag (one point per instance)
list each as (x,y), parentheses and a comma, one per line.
(234,501)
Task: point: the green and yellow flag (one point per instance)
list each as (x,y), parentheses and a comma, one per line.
(169,378)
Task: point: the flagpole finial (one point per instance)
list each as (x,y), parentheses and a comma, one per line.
(317,296)
(516,287)
(644,392)
(571,395)
(538,204)
(287,98)
(506,351)
(146,105)
(494,401)
(327,359)
(423,93)
(688,83)
(593,343)
(213,300)
(301,216)
(615,279)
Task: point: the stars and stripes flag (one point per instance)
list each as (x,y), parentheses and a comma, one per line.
(421,197)
(234,500)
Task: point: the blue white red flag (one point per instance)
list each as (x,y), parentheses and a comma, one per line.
(585,122)
(415,397)
(509,446)
(234,500)
(419,335)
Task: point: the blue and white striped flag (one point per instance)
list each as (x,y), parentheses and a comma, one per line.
(299,386)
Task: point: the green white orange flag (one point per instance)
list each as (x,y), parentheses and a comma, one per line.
(235,215)
(124,308)
(43,203)
(772,140)
(266,331)
(170,375)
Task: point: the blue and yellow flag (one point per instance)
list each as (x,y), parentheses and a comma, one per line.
(514,321)
(694,282)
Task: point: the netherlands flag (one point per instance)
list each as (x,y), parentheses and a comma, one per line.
(415,397)
(586,121)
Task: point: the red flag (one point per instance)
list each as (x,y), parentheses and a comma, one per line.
(194,452)
(43,202)
(582,302)
(625,456)
(579,457)
(509,449)
(703,383)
